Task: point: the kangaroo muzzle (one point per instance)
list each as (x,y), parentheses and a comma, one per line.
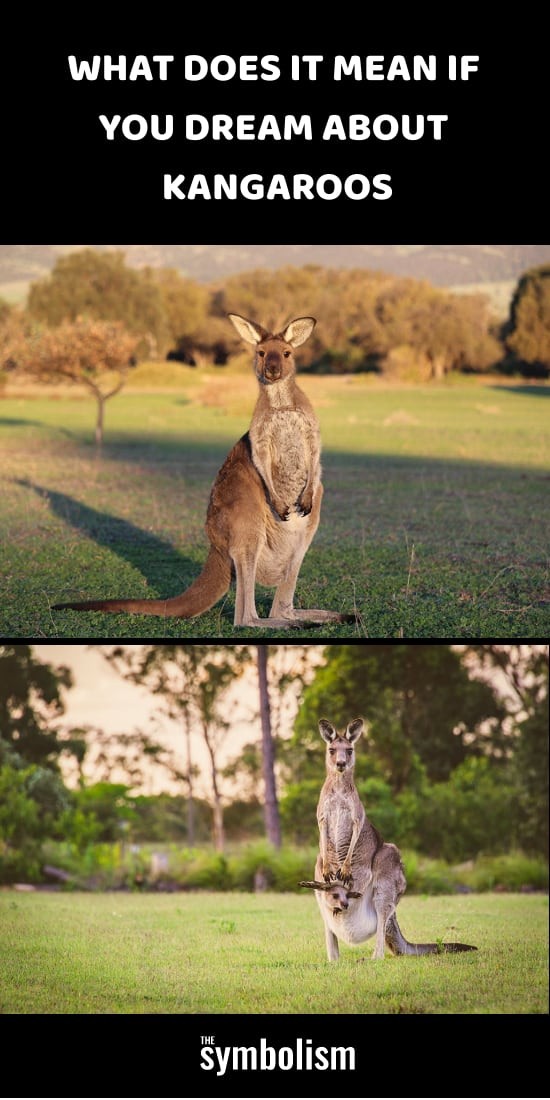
(270,369)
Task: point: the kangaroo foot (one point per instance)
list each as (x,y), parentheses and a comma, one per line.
(271,624)
(315,615)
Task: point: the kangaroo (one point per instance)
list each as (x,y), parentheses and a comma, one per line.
(352,853)
(265,502)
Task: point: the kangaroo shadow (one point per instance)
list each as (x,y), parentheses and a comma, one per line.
(26,422)
(526,390)
(19,421)
(157,560)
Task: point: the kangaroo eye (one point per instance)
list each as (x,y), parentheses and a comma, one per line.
(287,354)
(261,354)
(332,751)
(349,751)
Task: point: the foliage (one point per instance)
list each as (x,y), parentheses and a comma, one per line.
(364,316)
(511,871)
(98,286)
(475,811)
(192,681)
(110,806)
(31,709)
(95,354)
(368,320)
(528,329)
(184,304)
(420,705)
(31,798)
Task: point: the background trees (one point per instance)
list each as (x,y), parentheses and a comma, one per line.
(453,763)
(94,354)
(528,330)
(368,320)
(100,286)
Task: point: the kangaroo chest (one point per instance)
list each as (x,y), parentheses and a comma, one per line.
(285,449)
(339,824)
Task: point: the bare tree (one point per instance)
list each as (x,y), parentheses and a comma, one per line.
(271,806)
(192,681)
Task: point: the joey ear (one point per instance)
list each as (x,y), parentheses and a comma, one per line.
(354,894)
(354,730)
(297,331)
(248,330)
(327,731)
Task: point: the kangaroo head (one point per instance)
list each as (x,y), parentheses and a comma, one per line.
(340,754)
(336,896)
(274,359)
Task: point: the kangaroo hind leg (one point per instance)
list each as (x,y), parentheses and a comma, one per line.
(245,561)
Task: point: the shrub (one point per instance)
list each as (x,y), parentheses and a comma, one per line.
(515,871)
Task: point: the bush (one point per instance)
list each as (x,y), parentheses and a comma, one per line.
(404,364)
(22,864)
(515,871)
(427,876)
(475,811)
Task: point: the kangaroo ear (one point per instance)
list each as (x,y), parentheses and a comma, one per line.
(328,733)
(354,730)
(248,330)
(297,331)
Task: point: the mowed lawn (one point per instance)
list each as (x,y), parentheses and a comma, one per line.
(434,522)
(240,953)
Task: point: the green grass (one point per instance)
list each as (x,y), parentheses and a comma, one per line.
(434,519)
(235,953)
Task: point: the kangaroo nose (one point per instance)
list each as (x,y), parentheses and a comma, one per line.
(345,904)
(341,765)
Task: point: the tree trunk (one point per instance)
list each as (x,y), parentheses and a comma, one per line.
(190,802)
(217,807)
(438,367)
(99,420)
(271,807)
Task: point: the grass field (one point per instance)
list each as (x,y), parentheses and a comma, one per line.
(434,520)
(241,953)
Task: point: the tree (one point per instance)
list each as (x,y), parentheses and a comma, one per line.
(184,306)
(423,711)
(523,676)
(528,329)
(192,681)
(452,331)
(31,710)
(95,354)
(271,807)
(99,286)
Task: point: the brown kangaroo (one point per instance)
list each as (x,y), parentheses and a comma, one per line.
(352,852)
(265,502)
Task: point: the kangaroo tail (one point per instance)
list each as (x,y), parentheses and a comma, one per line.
(201,595)
(400,946)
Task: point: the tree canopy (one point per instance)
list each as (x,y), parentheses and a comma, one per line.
(528,332)
(95,354)
(367,319)
(419,704)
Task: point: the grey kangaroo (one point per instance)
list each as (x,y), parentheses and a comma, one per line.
(352,853)
(265,503)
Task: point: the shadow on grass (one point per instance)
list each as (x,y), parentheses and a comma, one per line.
(526,390)
(19,421)
(155,558)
